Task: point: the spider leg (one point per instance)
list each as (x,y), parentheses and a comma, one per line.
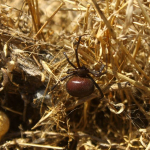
(70,61)
(69,71)
(102,95)
(76,52)
(98,73)
(61,80)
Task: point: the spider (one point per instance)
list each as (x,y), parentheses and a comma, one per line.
(80,83)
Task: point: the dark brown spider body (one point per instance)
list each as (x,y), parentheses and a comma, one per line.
(79,86)
(82,72)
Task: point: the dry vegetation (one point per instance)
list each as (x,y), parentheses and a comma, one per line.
(33,36)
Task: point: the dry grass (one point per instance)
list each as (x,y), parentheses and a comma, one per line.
(33,36)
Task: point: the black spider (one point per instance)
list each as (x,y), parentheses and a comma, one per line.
(81,84)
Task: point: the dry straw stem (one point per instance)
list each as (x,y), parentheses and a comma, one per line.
(50,18)
(135,50)
(113,34)
(81,101)
(140,107)
(129,13)
(45,117)
(71,134)
(135,83)
(33,13)
(48,70)
(11,110)
(103,142)
(144,11)
(39,145)
(22,144)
